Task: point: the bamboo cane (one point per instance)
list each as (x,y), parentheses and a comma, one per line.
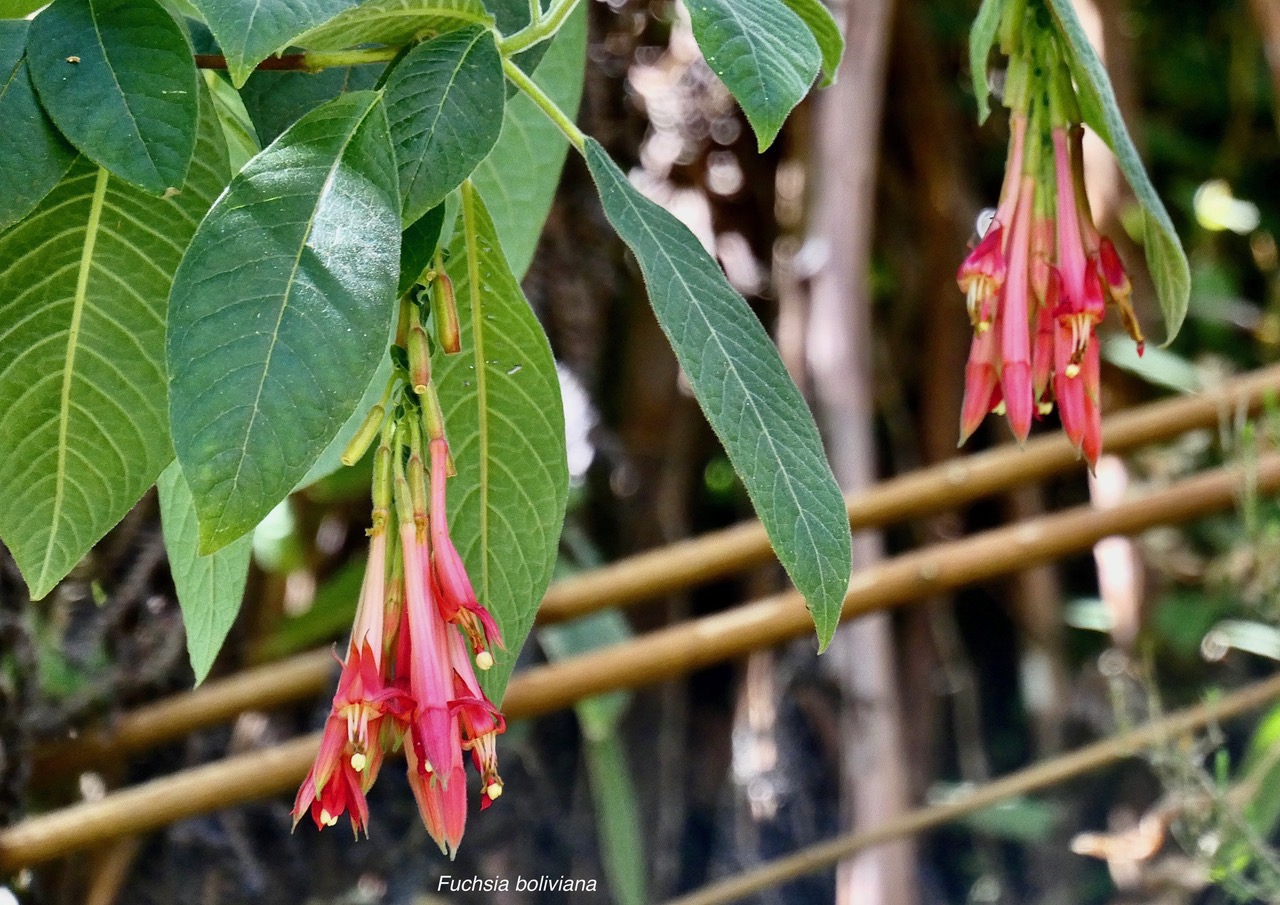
(669,652)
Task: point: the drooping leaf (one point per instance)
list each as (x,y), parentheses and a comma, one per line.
(118,79)
(822,25)
(519,177)
(444,104)
(251,30)
(210,588)
(505,420)
(1165,257)
(764,54)
(745,391)
(981,38)
(277,100)
(83,421)
(394,23)
(418,245)
(237,127)
(33,156)
(280,312)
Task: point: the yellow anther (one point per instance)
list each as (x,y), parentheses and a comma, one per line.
(494,791)
(982,326)
(327,819)
(1045,407)
(1000,408)
(484,660)
(359,761)
(1072,370)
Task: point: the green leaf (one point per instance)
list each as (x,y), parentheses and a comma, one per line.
(83,423)
(19,9)
(444,104)
(519,177)
(209,588)
(822,25)
(237,127)
(251,30)
(746,393)
(277,100)
(764,54)
(280,312)
(394,23)
(33,156)
(118,79)
(1165,257)
(981,38)
(505,420)
(418,245)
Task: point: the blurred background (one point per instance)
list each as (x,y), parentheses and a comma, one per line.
(845,236)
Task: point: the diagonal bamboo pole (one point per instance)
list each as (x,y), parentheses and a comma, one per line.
(675,567)
(660,655)
(919,493)
(1032,779)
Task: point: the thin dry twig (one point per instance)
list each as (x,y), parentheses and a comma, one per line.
(1032,779)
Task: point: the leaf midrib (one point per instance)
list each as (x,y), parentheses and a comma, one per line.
(68,369)
(284,306)
(124,98)
(482,377)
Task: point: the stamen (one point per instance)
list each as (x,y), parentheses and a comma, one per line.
(1000,408)
(1045,407)
(494,791)
(359,761)
(484,660)
(1072,370)
(328,819)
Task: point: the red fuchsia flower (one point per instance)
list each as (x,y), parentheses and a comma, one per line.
(480,721)
(351,747)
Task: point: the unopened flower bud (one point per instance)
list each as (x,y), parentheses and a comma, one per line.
(419,359)
(444,312)
(364,437)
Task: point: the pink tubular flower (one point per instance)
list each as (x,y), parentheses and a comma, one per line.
(1015,350)
(457,598)
(351,751)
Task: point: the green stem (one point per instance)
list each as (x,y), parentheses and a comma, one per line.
(317,59)
(542,27)
(539,97)
(535,12)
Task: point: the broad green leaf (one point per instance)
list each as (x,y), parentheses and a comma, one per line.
(1165,257)
(746,393)
(118,79)
(237,127)
(330,461)
(394,23)
(277,100)
(418,246)
(764,54)
(822,25)
(33,156)
(209,588)
(19,9)
(83,421)
(981,38)
(251,30)
(501,399)
(519,177)
(444,104)
(280,312)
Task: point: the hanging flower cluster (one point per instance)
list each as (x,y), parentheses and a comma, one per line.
(408,678)
(1038,283)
